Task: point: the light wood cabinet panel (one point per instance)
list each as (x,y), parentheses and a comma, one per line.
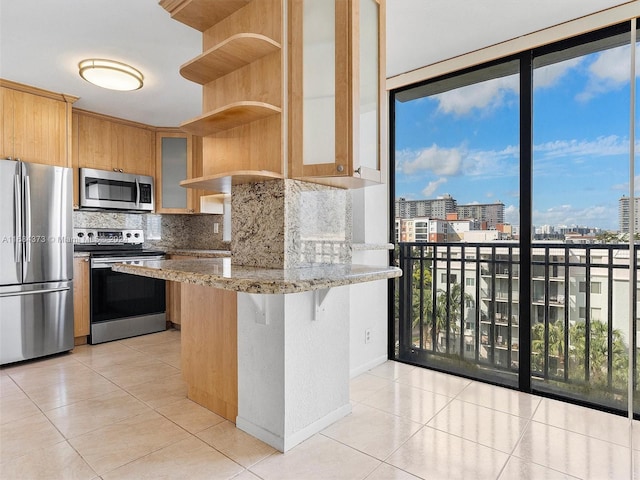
(173,297)
(94,142)
(241,70)
(108,143)
(135,149)
(6,123)
(201,14)
(36,125)
(81,298)
(337,123)
(211,373)
(335,104)
(178,159)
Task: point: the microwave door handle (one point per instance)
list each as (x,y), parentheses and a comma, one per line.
(27,220)
(17,223)
(137,193)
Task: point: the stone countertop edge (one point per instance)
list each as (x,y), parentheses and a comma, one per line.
(359,247)
(200,253)
(214,273)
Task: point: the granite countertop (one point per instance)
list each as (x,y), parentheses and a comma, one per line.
(193,252)
(220,273)
(359,247)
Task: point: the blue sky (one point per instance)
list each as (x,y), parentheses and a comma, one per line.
(465,142)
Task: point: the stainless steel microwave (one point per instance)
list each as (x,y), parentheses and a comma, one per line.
(103,189)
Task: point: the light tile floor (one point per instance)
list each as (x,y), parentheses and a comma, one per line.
(119,411)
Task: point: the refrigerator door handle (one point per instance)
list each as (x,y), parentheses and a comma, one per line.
(17,227)
(34,292)
(27,221)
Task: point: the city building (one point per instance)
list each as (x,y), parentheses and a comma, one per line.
(445,205)
(624,214)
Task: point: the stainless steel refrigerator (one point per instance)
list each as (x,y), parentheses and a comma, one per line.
(36,260)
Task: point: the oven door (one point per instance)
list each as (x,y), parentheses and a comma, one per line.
(124,305)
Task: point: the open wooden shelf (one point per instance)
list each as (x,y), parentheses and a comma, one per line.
(201,14)
(233,53)
(228,117)
(223,182)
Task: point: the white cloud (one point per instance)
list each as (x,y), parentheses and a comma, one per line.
(512,214)
(569,215)
(601,146)
(432,187)
(624,187)
(489,94)
(549,75)
(609,71)
(440,161)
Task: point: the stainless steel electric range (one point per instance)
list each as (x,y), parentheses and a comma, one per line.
(122,305)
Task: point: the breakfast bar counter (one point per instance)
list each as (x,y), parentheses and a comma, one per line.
(221,273)
(267,349)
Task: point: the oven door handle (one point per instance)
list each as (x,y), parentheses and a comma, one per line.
(107,263)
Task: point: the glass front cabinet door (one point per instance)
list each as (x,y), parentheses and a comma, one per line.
(337,118)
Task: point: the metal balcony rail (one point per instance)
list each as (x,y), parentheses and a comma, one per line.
(460,303)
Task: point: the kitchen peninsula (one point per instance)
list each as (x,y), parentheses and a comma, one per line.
(265,332)
(266,348)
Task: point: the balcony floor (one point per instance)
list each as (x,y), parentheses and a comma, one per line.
(119,410)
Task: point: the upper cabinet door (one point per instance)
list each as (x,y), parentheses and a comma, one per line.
(36,125)
(336,65)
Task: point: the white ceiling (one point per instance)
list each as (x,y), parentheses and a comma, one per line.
(42,41)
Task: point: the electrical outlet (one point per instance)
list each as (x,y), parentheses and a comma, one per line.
(367,335)
(216,227)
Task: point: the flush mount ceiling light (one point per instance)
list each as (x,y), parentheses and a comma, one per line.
(110,74)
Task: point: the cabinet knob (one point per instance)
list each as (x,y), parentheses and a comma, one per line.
(340,168)
(115,169)
(120,170)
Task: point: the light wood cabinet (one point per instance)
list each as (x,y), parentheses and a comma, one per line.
(35,124)
(241,71)
(178,156)
(337,123)
(109,143)
(173,296)
(331,99)
(81,299)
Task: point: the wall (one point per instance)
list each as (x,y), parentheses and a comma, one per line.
(161,231)
(368,304)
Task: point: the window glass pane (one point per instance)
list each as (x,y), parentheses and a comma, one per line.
(580,180)
(457,190)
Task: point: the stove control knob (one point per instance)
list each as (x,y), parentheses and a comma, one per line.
(128,235)
(90,234)
(80,234)
(136,235)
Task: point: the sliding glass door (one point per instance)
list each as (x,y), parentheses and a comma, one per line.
(457,177)
(579,318)
(513,218)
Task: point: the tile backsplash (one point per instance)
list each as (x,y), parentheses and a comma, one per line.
(161,231)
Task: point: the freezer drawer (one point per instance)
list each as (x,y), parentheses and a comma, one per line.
(35,320)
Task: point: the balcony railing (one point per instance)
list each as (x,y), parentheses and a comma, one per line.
(458,307)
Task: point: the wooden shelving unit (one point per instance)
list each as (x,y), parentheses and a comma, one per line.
(228,117)
(202,14)
(222,183)
(233,53)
